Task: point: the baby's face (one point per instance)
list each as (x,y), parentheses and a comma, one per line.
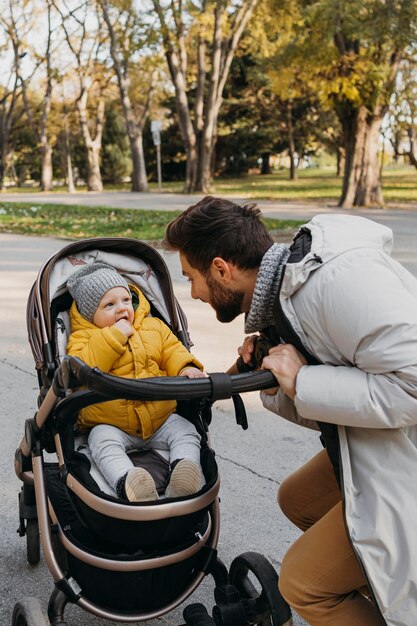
(115,305)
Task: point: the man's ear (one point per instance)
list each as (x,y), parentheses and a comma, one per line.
(221,269)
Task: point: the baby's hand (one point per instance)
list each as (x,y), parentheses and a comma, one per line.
(125,327)
(193,372)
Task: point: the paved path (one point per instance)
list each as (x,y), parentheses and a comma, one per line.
(252,463)
(167,201)
(121,199)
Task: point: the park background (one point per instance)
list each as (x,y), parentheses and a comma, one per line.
(305,106)
(281,99)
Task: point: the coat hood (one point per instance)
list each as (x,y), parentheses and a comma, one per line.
(332,235)
(335,234)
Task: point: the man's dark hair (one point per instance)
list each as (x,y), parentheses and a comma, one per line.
(216,227)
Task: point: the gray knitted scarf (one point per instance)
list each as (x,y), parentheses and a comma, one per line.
(266,288)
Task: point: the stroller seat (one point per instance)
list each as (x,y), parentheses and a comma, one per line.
(137,272)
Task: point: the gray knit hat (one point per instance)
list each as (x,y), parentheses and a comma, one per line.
(89,284)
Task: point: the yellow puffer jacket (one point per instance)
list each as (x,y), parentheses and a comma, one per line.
(152,350)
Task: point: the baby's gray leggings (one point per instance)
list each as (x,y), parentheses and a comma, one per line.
(109,445)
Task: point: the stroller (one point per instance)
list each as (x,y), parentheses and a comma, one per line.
(122,561)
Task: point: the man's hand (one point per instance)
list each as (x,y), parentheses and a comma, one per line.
(284,361)
(247,348)
(193,372)
(245,354)
(125,327)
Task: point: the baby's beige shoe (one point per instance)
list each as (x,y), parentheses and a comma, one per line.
(140,486)
(185,479)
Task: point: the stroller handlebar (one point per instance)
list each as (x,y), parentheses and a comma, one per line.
(73,372)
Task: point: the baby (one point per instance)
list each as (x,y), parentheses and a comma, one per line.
(119,336)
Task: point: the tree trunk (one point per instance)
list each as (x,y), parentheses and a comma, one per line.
(6,151)
(211,103)
(134,127)
(204,168)
(139,178)
(199,152)
(213,158)
(205,165)
(191,168)
(207,148)
(46,172)
(2,185)
(362,176)
(3,162)
(94,181)
(291,143)
(395,142)
(412,155)
(70,176)
(266,164)
(93,146)
(340,160)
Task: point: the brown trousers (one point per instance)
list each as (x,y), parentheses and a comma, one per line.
(320,575)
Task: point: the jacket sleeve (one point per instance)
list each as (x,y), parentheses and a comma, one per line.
(369,314)
(100,347)
(283,406)
(175,355)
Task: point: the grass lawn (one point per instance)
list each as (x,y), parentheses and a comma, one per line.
(313,185)
(80,222)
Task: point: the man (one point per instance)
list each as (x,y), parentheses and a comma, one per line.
(343,314)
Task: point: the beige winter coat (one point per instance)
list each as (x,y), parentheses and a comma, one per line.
(356,312)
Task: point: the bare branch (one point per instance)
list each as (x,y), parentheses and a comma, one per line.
(242,17)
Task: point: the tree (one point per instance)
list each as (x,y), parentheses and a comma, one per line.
(350,53)
(116,161)
(403,111)
(67,148)
(129,37)
(84,39)
(254,121)
(9,113)
(200,41)
(19,23)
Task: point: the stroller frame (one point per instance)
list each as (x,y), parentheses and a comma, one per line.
(238,603)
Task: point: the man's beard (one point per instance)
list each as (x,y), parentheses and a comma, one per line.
(226,303)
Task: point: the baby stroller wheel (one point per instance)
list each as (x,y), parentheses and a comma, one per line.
(33,553)
(28,612)
(257,582)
